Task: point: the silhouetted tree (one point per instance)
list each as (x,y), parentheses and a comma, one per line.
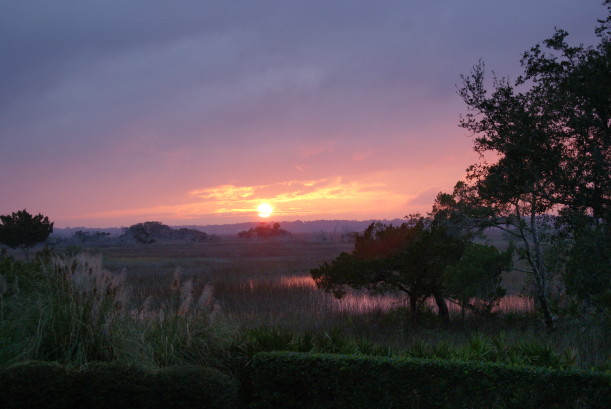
(410,259)
(475,280)
(189,235)
(550,132)
(151,232)
(22,230)
(264,231)
(145,233)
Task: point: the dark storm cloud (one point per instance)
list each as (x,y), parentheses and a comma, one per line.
(133,57)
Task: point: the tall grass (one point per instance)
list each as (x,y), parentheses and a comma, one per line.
(78,313)
(72,309)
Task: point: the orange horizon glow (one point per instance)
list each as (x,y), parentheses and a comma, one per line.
(373,196)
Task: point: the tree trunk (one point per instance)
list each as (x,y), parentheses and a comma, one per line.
(413,305)
(540,271)
(442,307)
(548,319)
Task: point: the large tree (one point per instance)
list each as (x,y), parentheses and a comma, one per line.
(22,230)
(547,136)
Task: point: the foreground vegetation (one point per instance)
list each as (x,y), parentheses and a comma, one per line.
(150,346)
(71,309)
(291,380)
(338,381)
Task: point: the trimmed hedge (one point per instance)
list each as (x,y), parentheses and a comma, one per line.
(110,385)
(294,380)
(195,387)
(35,385)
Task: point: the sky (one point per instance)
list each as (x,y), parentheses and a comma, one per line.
(193,112)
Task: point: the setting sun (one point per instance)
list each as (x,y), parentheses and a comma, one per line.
(265,210)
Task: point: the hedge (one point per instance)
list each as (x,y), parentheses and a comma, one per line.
(294,380)
(108,385)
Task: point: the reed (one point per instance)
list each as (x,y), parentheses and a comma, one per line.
(80,314)
(247,297)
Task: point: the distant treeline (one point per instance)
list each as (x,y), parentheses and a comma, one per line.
(337,227)
(140,233)
(264,231)
(151,232)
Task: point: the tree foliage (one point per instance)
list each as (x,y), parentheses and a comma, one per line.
(588,263)
(409,259)
(475,280)
(22,230)
(550,133)
(151,232)
(263,231)
(97,237)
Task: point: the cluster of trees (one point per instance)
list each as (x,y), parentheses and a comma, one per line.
(87,237)
(549,188)
(151,232)
(264,231)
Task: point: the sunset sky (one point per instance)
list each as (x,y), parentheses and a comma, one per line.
(196,112)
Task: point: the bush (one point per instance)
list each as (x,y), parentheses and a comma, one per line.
(191,387)
(35,385)
(291,380)
(111,385)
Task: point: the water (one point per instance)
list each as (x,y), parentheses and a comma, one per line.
(361,302)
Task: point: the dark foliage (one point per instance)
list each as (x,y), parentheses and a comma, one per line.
(292,380)
(264,231)
(22,230)
(116,386)
(550,132)
(410,259)
(151,232)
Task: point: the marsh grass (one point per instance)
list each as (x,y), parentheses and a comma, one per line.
(79,314)
(209,303)
(66,313)
(267,284)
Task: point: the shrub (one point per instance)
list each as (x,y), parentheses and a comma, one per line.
(116,386)
(35,385)
(291,380)
(195,386)
(111,385)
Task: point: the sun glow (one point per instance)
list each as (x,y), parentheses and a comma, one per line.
(265,210)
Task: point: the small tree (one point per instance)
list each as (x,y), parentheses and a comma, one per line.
(22,230)
(147,232)
(263,231)
(475,280)
(408,259)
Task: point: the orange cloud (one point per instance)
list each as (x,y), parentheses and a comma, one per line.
(294,198)
(225,192)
